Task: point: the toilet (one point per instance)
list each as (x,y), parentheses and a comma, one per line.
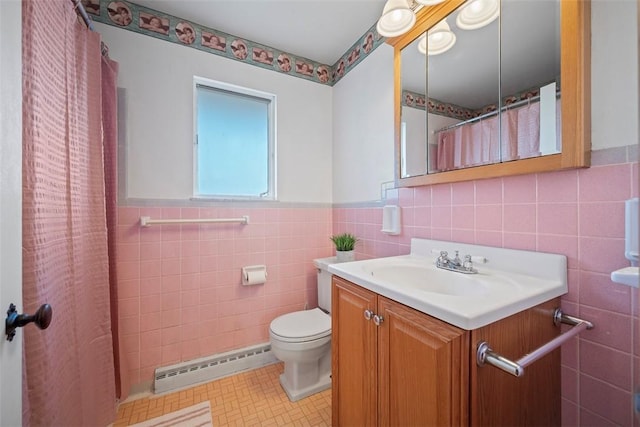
(302,340)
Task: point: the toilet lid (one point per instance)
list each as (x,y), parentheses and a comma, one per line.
(302,325)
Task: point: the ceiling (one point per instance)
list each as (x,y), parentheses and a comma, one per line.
(320,30)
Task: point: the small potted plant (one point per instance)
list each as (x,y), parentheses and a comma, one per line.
(345,244)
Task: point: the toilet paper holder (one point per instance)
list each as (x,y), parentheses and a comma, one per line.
(254,275)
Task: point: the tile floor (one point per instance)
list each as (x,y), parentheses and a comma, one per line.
(252,398)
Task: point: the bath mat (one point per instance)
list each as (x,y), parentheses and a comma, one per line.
(194,416)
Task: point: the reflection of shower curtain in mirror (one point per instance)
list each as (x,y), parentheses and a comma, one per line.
(478,143)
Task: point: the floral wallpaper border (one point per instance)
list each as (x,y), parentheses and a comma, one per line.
(419,101)
(142,20)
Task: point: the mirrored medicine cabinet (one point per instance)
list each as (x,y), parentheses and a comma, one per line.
(480,100)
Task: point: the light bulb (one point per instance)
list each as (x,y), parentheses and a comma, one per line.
(478,14)
(477,6)
(396,16)
(436,37)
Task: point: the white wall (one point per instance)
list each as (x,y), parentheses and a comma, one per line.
(614,73)
(413,119)
(158,77)
(363,136)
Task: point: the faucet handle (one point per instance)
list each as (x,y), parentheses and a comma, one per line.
(468,263)
(467,266)
(443,259)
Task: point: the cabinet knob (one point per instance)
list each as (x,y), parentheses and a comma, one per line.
(368,314)
(377,319)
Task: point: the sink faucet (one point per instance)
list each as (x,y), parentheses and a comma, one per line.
(455,264)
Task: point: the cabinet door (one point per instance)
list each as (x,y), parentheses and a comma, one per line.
(354,359)
(423,369)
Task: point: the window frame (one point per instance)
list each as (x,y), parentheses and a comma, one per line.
(271,99)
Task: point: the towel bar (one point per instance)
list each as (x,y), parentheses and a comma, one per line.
(485,353)
(146,221)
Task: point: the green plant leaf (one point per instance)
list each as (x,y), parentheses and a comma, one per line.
(344,241)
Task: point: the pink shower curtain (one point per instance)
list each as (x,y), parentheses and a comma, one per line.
(479,143)
(510,134)
(110,144)
(469,145)
(68,368)
(446,150)
(529,130)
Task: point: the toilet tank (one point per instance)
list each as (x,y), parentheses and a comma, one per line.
(324,282)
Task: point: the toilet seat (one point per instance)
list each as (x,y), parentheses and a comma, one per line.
(301,326)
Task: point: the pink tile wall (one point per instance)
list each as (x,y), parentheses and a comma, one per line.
(180,292)
(577,213)
(180,295)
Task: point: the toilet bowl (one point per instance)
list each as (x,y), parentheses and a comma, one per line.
(302,340)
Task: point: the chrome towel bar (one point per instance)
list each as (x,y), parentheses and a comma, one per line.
(146,221)
(485,353)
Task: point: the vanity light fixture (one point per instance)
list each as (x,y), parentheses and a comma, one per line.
(397,18)
(478,14)
(440,38)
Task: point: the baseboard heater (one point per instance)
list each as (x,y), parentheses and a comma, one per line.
(205,369)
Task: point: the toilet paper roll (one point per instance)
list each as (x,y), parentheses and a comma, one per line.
(254,277)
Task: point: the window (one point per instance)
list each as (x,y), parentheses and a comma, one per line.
(234,147)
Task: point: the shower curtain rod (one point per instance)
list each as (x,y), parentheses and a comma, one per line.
(79,7)
(493,113)
(83,13)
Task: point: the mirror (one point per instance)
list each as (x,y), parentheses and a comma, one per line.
(414,140)
(489,105)
(530,79)
(461,82)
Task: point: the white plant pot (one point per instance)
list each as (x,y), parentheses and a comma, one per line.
(346,256)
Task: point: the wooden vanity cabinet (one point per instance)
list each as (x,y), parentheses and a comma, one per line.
(410,370)
(414,369)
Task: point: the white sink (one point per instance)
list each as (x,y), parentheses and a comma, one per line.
(510,282)
(426,278)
